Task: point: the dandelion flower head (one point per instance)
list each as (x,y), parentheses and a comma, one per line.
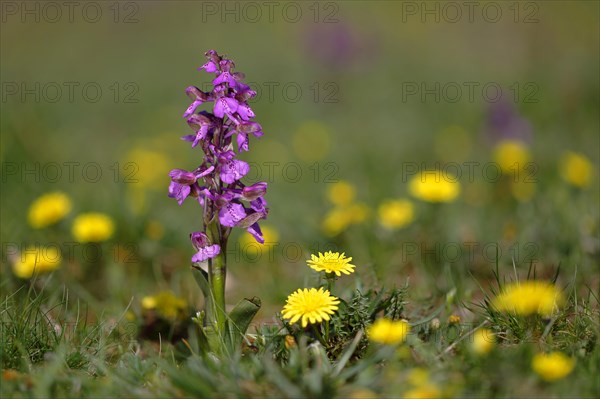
(93,227)
(576,169)
(434,186)
(529,297)
(395,214)
(511,155)
(331,262)
(36,259)
(483,341)
(552,366)
(341,193)
(388,332)
(48,209)
(310,306)
(166,304)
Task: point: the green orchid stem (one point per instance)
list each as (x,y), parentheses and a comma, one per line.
(217,270)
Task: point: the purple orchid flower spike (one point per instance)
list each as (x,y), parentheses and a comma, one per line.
(242,130)
(216,183)
(253,192)
(198,96)
(179,191)
(203,247)
(201,123)
(245,112)
(231,214)
(182,176)
(212,66)
(225,201)
(243,92)
(225,106)
(234,170)
(256,233)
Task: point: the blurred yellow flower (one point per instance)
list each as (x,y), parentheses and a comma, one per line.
(92,227)
(48,209)
(454,319)
(312,141)
(145,169)
(523,191)
(423,392)
(331,262)
(394,214)
(511,155)
(552,366)
(388,332)
(576,169)
(434,186)
(336,221)
(529,297)
(310,305)
(36,259)
(166,304)
(483,341)
(340,218)
(341,193)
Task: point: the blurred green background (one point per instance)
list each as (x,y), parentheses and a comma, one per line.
(334,81)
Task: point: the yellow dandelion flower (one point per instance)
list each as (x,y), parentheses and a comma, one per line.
(394,214)
(341,193)
(331,262)
(529,297)
(576,169)
(388,332)
(454,319)
(336,221)
(434,186)
(36,259)
(148,302)
(511,155)
(552,366)
(48,209)
(166,304)
(310,305)
(483,341)
(428,391)
(92,227)
(340,218)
